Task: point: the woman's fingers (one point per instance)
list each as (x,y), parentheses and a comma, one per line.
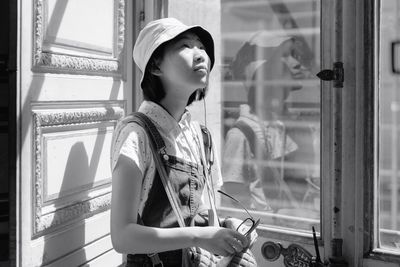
(236,245)
(235,242)
(229,249)
(223,241)
(230,245)
(244,241)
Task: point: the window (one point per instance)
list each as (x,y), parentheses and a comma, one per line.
(389,119)
(271,110)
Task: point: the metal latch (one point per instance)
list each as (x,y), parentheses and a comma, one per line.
(336,75)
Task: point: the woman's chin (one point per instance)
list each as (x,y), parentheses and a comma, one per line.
(201,85)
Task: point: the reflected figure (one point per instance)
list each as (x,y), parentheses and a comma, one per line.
(260,144)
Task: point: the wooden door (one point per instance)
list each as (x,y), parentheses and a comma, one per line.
(74,81)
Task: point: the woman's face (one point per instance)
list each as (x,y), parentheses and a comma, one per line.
(185,65)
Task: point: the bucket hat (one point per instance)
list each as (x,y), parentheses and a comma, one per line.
(157,32)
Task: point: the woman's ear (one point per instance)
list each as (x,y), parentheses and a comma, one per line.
(154,68)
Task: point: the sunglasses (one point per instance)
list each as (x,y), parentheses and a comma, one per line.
(249,223)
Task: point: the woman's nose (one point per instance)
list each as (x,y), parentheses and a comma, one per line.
(199,55)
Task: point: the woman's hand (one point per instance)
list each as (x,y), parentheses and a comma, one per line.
(220,241)
(234,223)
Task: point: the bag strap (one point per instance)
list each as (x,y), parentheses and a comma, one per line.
(206,158)
(252,139)
(249,133)
(157,146)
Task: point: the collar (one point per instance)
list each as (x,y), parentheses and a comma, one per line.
(162,117)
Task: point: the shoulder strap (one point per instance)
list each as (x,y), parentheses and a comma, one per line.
(148,125)
(248,133)
(157,146)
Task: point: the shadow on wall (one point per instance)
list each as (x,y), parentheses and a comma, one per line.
(77,169)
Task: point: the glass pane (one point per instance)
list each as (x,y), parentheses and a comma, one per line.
(271,110)
(389,125)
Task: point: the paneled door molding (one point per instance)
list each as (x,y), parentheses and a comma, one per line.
(79,47)
(63,127)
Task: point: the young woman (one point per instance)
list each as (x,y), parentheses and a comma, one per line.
(175,60)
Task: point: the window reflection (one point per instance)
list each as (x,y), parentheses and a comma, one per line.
(271,158)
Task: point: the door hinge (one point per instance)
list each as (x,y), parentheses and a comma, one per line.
(336,75)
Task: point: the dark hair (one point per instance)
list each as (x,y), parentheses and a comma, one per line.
(153,88)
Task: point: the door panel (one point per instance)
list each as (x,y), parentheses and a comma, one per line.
(74,85)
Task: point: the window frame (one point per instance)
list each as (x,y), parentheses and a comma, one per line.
(371,246)
(327,153)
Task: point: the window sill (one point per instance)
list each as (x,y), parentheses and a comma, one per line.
(268,227)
